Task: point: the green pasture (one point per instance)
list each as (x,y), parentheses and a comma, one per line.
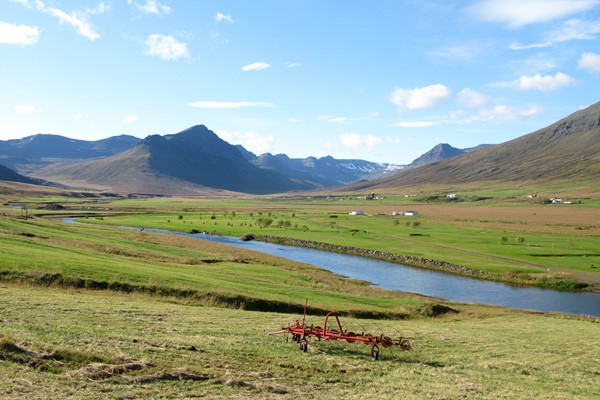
(51,252)
(97,311)
(479,247)
(82,344)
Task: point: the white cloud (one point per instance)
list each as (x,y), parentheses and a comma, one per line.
(253,141)
(229,104)
(18,34)
(573,29)
(590,61)
(356,142)
(78,117)
(25,109)
(293,64)
(415,124)
(220,17)
(519,46)
(99,9)
(546,83)
(471,99)
(518,13)
(464,52)
(329,118)
(257,66)
(503,113)
(418,98)
(166,47)
(294,120)
(77,19)
(130,118)
(150,7)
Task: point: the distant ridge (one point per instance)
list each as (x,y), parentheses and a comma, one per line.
(7,174)
(324,171)
(45,147)
(193,161)
(566,151)
(441,152)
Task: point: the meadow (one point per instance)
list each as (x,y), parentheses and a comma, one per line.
(95,310)
(551,244)
(81,344)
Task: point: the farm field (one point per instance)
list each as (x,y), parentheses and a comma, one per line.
(500,238)
(94,310)
(80,344)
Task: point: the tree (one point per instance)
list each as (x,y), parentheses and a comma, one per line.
(503,240)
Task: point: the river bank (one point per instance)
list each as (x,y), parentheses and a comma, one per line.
(560,281)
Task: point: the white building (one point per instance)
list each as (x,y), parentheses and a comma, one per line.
(357,212)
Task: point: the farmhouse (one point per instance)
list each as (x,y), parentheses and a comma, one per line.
(407,213)
(357,212)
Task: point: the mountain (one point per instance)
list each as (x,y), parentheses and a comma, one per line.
(7,174)
(441,152)
(567,151)
(324,171)
(193,161)
(42,148)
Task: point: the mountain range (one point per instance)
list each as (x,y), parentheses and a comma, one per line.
(566,153)
(197,161)
(194,161)
(44,149)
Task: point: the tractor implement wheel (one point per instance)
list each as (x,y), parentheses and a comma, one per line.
(375,352)
(303,345)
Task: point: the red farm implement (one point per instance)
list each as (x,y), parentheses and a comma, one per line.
(301,332)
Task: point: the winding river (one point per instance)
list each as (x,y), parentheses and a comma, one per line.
(392,276)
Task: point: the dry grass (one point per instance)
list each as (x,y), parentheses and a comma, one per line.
(158,349)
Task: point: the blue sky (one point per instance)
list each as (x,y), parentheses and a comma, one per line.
(381,80)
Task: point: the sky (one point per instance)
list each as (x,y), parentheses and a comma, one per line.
(378,80)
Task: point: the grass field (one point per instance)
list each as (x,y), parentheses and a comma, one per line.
(501,238)
(96,311)
(81,344)
(55,253)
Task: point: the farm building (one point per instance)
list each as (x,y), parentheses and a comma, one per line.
(407,213)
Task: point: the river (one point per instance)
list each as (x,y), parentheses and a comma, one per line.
(391,276)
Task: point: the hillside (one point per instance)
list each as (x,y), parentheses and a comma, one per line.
(43,148)
(194,161)
(323,171)
(442,152)
(7,174)
(566,151)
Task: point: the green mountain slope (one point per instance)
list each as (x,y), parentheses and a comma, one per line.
(568,150)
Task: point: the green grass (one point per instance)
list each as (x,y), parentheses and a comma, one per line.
(81,344)
(89,311)
(51,252)
(471,243)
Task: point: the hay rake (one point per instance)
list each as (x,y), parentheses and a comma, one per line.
(301,332)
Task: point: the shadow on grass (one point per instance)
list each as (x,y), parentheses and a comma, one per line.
(224,300)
